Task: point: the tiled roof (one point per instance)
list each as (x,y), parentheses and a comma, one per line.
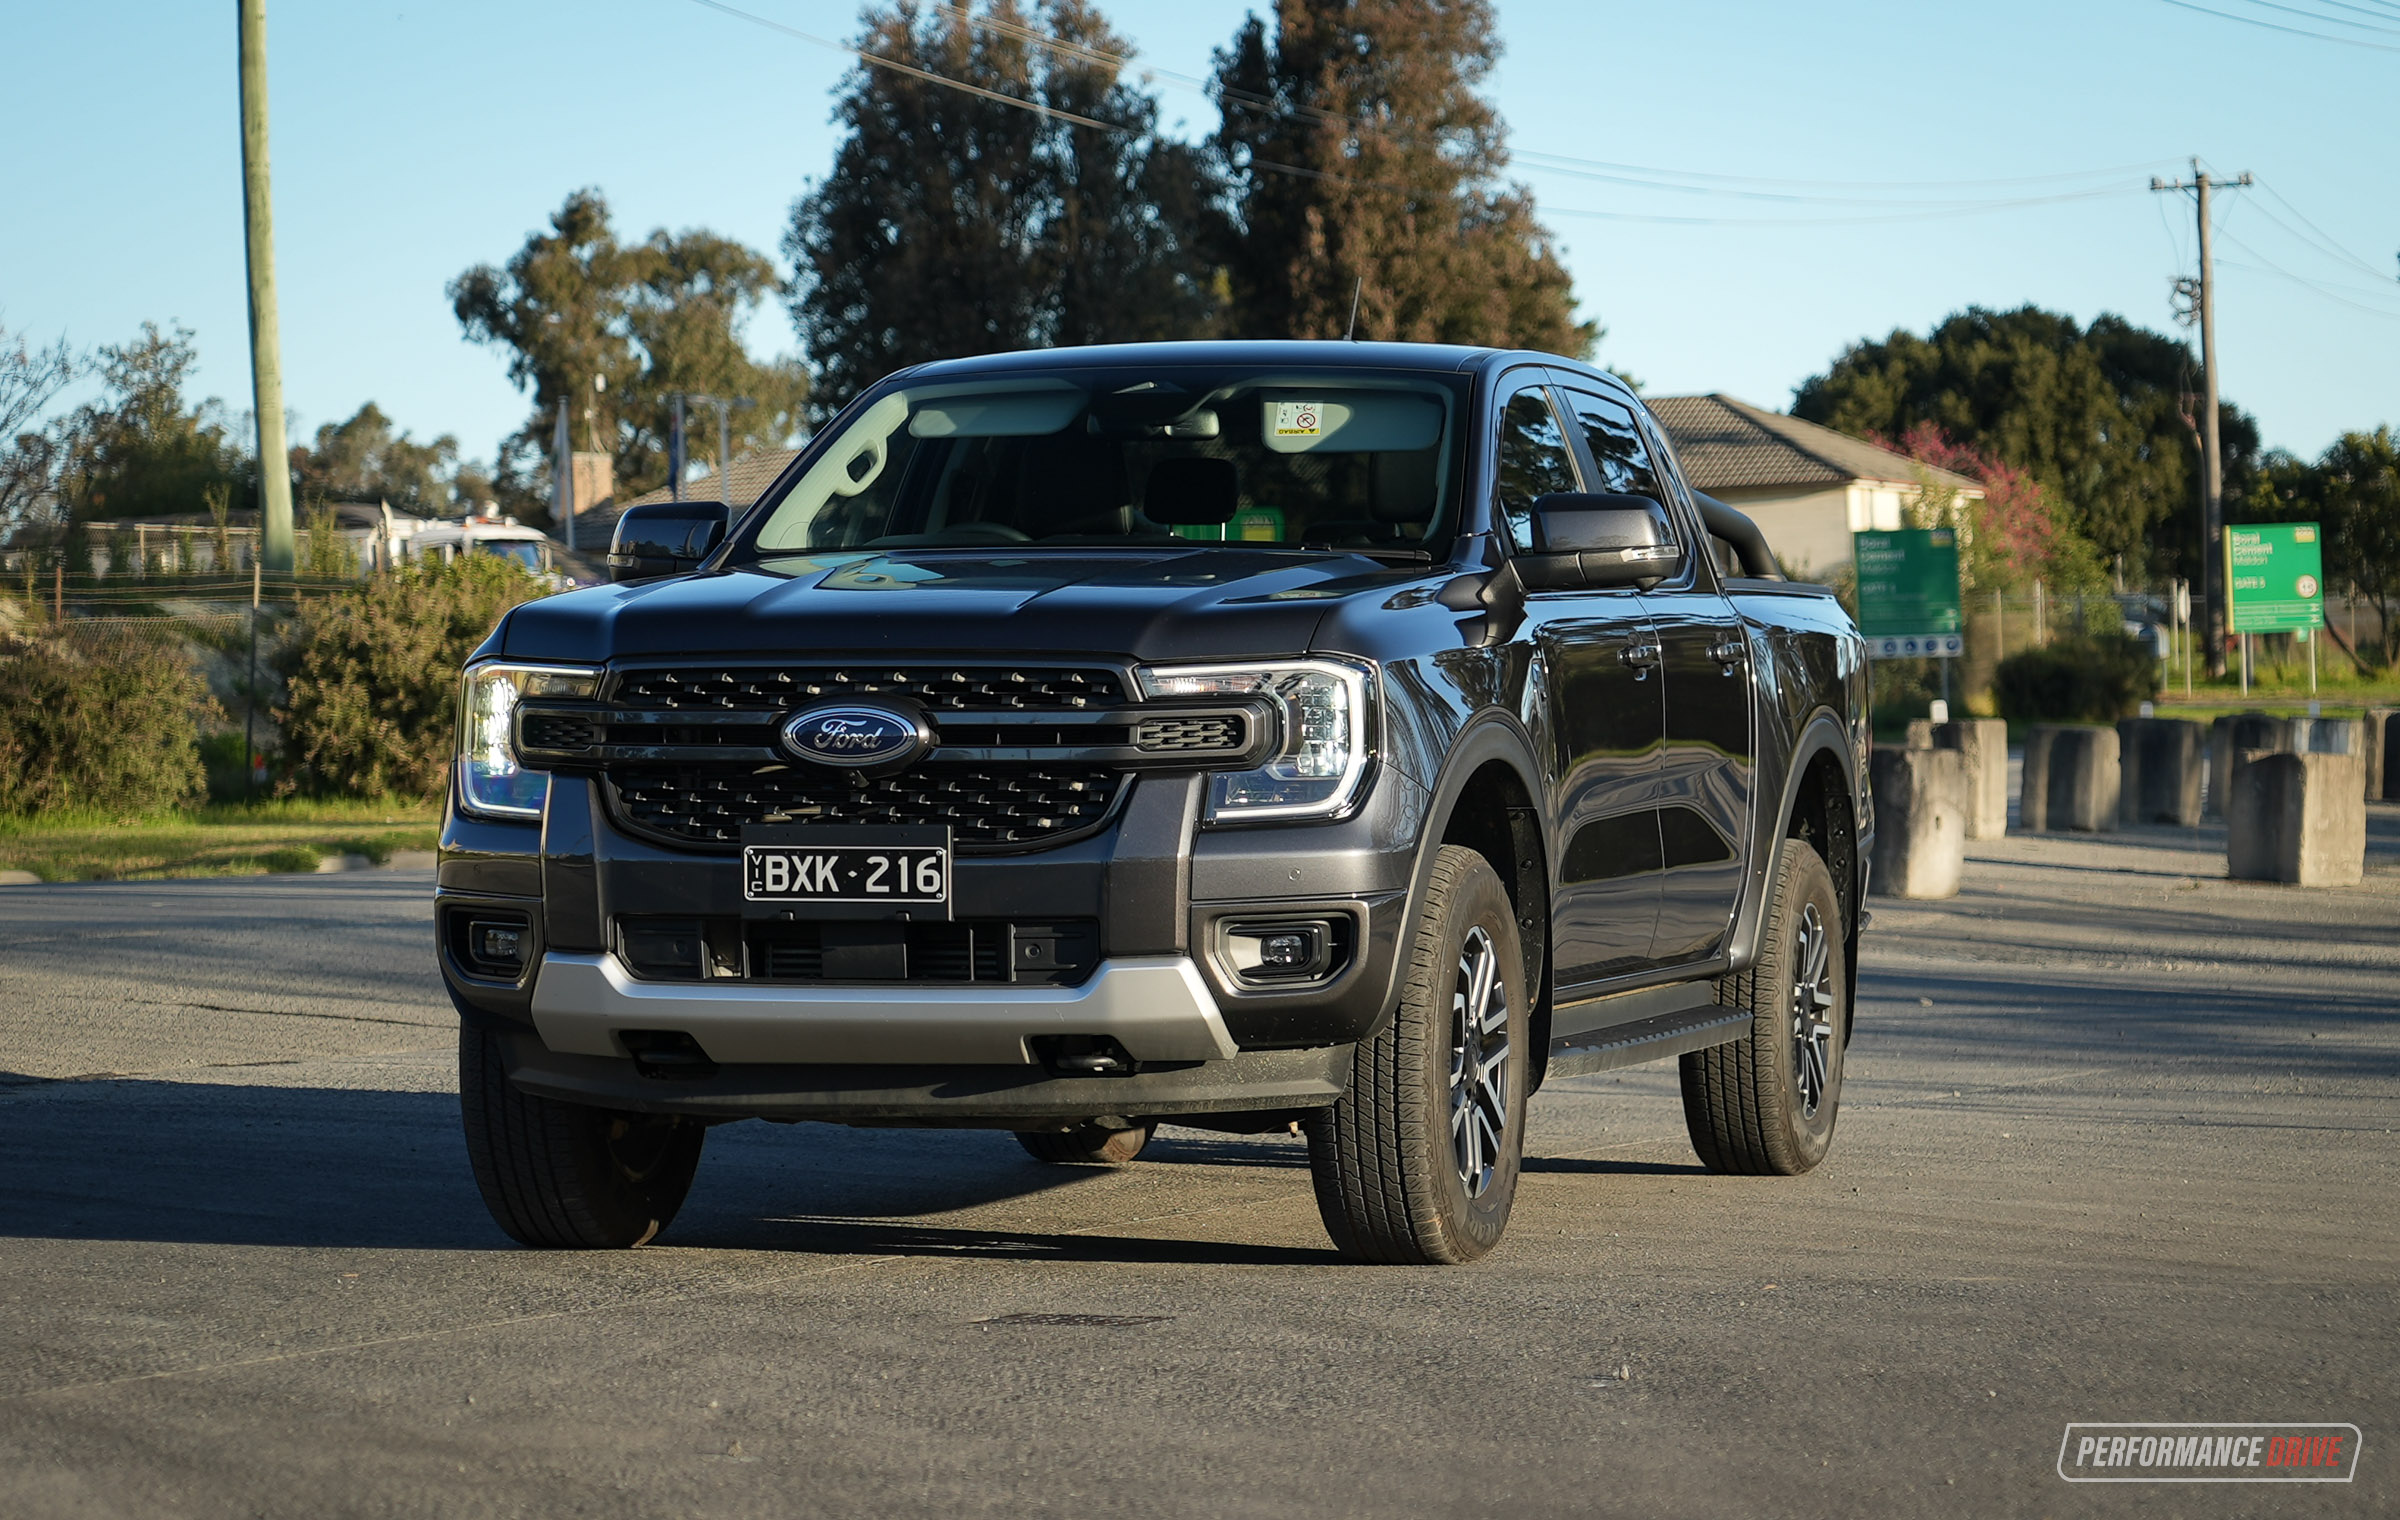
(750,474)
(1726,444)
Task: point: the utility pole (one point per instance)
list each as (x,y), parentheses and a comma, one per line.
(675,450)
(2213,587)
(266,345)
(725,408)
(562,477)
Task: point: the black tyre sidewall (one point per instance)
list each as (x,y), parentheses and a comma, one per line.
(1807,882)
(1476,900)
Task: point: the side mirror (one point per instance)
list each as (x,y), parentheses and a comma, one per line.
(666,538)
(1600,540)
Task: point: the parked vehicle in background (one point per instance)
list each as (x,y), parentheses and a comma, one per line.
(529,549)
(1240,735)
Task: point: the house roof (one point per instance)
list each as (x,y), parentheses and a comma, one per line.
(1726,444)
(749,475)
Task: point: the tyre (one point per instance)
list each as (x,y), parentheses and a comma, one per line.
(1764,1105)
(567,1176)
(1417,1163)
(1085,1144)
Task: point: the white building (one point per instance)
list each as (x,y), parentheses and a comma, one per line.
(1807,487)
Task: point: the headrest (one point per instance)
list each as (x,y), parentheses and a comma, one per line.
(1067,478)
(1402,487)
(1191,491)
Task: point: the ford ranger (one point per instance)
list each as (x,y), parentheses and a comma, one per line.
(1347,736)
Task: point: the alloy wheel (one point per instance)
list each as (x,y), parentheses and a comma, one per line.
(1479,1057)
(1812,1009)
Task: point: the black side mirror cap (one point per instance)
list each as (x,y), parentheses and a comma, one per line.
(1600,540)
(666,538)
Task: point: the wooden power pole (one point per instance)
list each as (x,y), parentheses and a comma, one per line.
(2213,588)
(266,345)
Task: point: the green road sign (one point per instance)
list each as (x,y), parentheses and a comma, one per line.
(2277,575)
(1908,591)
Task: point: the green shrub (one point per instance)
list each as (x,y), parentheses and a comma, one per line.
(2093,679)
(372,674)
(112,728)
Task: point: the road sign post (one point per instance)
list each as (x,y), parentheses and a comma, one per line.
(1908,593)
(2275,582)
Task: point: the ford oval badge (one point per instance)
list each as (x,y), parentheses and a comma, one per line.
(856,737)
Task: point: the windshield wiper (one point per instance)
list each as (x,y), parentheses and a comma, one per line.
(1396,556)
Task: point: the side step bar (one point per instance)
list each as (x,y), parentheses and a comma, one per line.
(1650,1039)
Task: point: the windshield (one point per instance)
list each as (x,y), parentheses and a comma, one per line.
(529,555)
(1342,459)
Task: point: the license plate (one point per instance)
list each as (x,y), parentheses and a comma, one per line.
(795,869)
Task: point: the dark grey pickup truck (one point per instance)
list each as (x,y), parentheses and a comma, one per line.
(1341,735)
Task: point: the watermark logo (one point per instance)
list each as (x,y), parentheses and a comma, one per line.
(2197,1453)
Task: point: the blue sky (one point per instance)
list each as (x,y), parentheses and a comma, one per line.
(413,138)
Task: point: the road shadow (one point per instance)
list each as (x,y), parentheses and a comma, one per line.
(226,1164)
(1603,1166)
(822,1236)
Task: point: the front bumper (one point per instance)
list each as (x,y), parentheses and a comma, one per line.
(1156,1007)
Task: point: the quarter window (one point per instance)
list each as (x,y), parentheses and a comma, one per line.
(1616,446)
(1534,461)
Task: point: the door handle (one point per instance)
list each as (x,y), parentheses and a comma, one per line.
(1640,656)
(1729,653)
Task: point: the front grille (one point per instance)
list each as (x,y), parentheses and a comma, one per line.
(994,806)
(1058,952)
(559,731)
(957,688)
(1168,734)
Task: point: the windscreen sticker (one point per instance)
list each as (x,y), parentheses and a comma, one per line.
(1299,419)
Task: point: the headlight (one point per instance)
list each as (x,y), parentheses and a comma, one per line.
(490,781)
(1328,734)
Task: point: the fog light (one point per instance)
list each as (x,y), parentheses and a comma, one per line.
(495,947)
(1289,950)
(501,944)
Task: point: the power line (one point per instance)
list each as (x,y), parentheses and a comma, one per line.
(2293,10)
(1658,178)
(2274,26)
(2329,245)
(927,75)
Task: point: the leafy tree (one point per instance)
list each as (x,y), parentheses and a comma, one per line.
(1363,158)
(614,328)
(30,378)
(955,224)
(2010,538)
(364,459)
(2097,415)
(2353,490)
(143,449)
(372,674)
(112,727)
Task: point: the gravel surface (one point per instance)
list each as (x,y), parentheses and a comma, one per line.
(2117,1145)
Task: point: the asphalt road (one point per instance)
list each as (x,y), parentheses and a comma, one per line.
(2117,1145)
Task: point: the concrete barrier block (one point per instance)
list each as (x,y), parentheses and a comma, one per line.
(1982,745)
(2071,779)
(1920,821)
(2161,770)
(2232,734)
(2300,818)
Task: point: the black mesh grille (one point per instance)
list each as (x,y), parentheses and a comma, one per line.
(988,806)
(559,731)
(1167,734)
(951,687)
(969,951)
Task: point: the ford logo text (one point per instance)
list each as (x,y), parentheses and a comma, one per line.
(856,737)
